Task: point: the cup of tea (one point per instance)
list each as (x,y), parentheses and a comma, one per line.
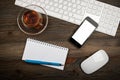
(32,20)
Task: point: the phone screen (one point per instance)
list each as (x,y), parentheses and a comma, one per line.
(83,32)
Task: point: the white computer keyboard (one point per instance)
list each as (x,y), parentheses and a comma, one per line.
(74,11)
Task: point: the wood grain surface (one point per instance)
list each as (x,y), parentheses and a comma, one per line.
(12,42)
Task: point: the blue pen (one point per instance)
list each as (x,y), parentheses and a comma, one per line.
(43,62)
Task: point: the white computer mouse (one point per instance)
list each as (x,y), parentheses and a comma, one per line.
(95,62)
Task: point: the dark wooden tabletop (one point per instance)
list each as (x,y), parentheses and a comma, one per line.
(12,42)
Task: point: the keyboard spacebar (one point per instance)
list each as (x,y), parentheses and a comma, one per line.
(53,14)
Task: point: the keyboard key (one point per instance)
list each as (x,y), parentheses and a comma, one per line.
(54,14)
(65,17)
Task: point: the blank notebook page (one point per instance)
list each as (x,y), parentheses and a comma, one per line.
(37,50)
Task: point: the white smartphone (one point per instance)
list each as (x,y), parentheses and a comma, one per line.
(84,31)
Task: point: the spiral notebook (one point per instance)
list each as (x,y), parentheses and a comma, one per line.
(38,50)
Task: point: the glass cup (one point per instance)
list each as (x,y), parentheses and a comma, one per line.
(32,20)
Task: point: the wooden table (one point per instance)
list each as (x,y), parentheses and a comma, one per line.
(12,42)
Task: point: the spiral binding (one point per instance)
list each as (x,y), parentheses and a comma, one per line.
(46,44)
